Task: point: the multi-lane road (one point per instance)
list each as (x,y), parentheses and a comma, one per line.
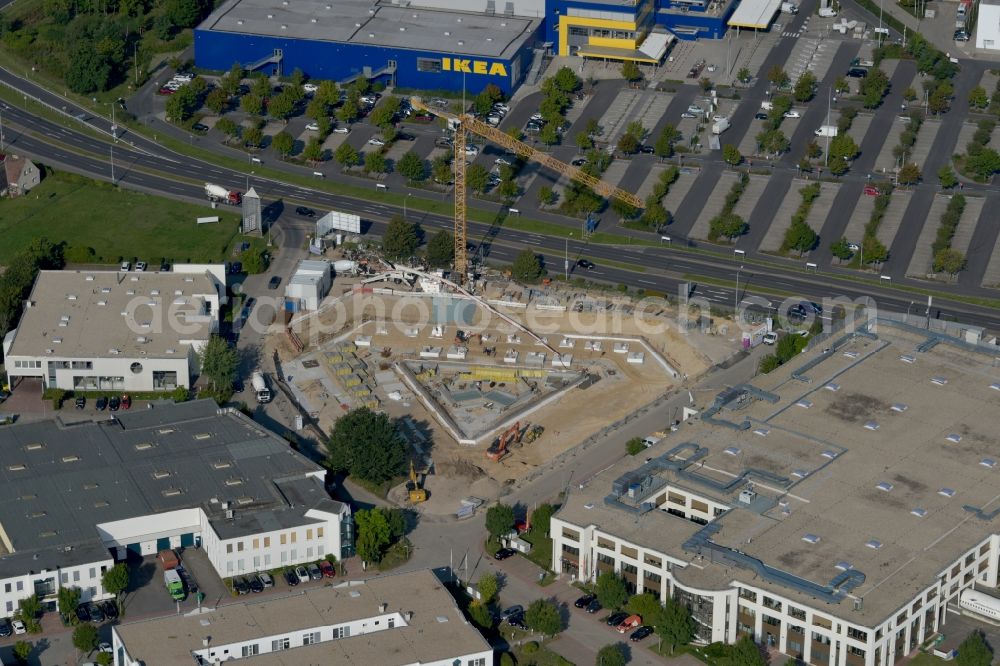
(143,164)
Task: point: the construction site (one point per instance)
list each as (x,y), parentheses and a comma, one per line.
(482,398)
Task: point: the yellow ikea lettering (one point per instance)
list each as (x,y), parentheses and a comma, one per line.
(469,66)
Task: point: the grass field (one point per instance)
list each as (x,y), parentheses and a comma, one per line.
(116,223)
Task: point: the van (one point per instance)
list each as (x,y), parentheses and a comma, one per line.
(767,106)
(827,12)
(826,130)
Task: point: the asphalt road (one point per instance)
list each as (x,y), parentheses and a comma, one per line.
(148,166)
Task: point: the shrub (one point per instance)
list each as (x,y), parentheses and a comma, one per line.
(531,647)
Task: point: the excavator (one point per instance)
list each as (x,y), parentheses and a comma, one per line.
(501,447)
(416,492)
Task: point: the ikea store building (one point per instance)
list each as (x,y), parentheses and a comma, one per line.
(446,44)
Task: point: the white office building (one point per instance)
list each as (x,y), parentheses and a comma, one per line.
(988,27)
(309,285)
(115,331)
(834,510)
(78,497)
(407,619)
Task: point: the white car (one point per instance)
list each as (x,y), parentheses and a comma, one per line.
(537,117)
(185,77)
(313,127)
(688,114)
(105,647)
(792,114)
(502,108)
(140,266)
(853,247)
(310,87)
(375,141)
(694,108)
(770,338)
(493,119)
(126,266)
(471,151)
(718,119)
(500,161)
(19,627)
(341,130)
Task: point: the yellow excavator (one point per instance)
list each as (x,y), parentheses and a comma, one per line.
(413,487)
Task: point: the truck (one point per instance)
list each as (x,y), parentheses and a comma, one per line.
(220,193)
(826,130)
(789,8)
(175,586)
(720,125)
(168,559)
(259,385)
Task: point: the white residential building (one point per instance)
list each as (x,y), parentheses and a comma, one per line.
(115,331)
(834,510)
(79,497)
(407,619)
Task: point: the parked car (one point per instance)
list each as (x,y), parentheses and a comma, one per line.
(961,36)
(236,268)
(640,633)
(104,646)
(265,579)
(19,627)
(694,108)
(501,107)
(616,618)
(511,611)
(302,573)
(792,114)
(314,572)
(126,401)
(96,613)
(309,88)
(423,117)
(140,266)
(537,117)
(502,161)
(5,628)
(313,127)
(584,601)
(341,130)
(327,569)
(114,403)
(517,621)
(579,161)
(770,338)
(471,151)
(872,191)
(631,622)
(857,72)
(199,128)
(256,585)
(101,404)
(126,266)
(594,606)
(760,115)
(853,247)
(504,553)
(274,282)
(81,401)
(291,578)
(688,114)
(110,609)
(240,585)
(375,141)
(305,212)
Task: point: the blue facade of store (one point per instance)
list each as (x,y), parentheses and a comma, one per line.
(338,61)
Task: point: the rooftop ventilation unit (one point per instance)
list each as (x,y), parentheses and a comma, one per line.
(57,341)
(70,297)
(832,386)
(844,566)
(954,438)
(874,544)
(270,16)
(732,450)
(995,386)
(851,354)
(105,290)
(800,473)
(919,513)
(829,454)
(907,358)
(988,462)
(871,425)
(747,496)
(161,474)
(884,486)
(239,21)
(130,292)
(947,492)
(939,381)
(810,538)
(102,303)
(900,407)
(762,432)
(34,446)
(804,403)
(89,278)
(69,459)
(143,446)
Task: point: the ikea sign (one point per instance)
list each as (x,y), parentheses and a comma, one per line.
(468,66)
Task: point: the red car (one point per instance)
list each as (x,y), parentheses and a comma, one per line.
(126,401)
(327,569)
(872,191)
(166,91)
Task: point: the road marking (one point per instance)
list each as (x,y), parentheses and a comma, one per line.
(646,281)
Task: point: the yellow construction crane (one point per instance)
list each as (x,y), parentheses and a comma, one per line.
(467,123)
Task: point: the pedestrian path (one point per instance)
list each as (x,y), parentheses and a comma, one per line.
(855,230)
(615,172)
(893,217)
(970,219)
(923,255)
(713,206)
(859,128)
(751,196)
(649,111)
(925,140)
(886,161)
(679,189)
(652,177)
(782,218)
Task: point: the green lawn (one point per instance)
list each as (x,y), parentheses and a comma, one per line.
(541,550)
(542,656)
(115,223)
(926,659)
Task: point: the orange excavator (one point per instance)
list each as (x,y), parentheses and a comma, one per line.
(501,447)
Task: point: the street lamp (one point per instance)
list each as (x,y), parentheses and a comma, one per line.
(566,257)
(408,195)
(112,148)
(736,297)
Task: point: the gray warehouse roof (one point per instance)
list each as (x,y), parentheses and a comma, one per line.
(58,481)
(377,24)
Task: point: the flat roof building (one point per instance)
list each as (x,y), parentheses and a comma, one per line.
(831,510)
(74,498)
(394,620)
(116,330)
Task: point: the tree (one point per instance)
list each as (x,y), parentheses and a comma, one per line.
(628,144)
(777,76)
(984,164)
(656,216)
(480,614)
(634,446)
(184,13)
(401,239)
(314,152)
(611,590)
(543,616)
(85,638)
(509,189)
(104,659)
(281,106)
(664,146)
(946,176)
(541,519)
(477,178)
(441,249)
(253,137)
(88,70)
(499,520)
(746,653)
(412,167)
(69,599)
(441,170)
(252,104)
(367,445)
(527,267)
(949,260)
(346,156)
(805,87)
(909,94)
(769,363)
(583,141)
(730,225)
(744,76)
(546,195)
(566,80)
(800,236)
(731,154)
(348,111)
(705,83)
(182,104)
(631,71)
(773,141)
(843,146)
(375,162)
(283,143)
(974,651)
(841,85)
(978,98)
(29,609)
(909,174)
(488,587)
(230,81)
(217,101)
(873,250)
(611,655)
(219,361)
(372,534)
(228,127)
(813,151)
(22,650)
(115,580)
(548,134)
